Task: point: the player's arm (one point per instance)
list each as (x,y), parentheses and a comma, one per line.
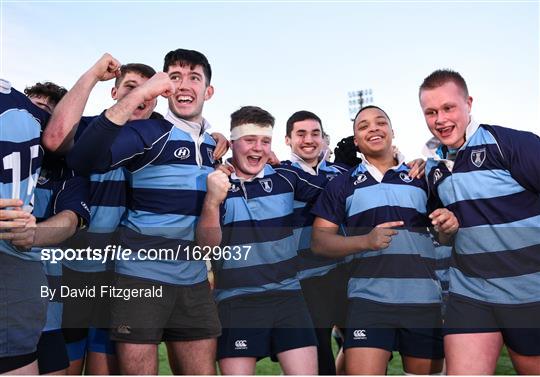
(60,131)
(92,151)
(326,241)
(208,231)
(56,229)
(222,145)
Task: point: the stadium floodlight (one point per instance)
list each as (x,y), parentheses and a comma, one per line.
(358,99)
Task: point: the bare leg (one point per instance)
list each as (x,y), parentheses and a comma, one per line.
(299,361)
(472,353)
(194,357)
(29,369)
(244,366)
(98,363)
(525,364)
(360,360)
(416,365)
(137,359)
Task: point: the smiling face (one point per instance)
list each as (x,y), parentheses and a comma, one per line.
(130,81)
(191,91)
(447,112)
(306,140)
(373,133)
(250,154)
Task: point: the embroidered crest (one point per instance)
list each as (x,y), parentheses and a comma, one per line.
(478,156)
(266,184)
(361,178)
(437,174)
(182,153)
(210,153)
(44,177)
(405,177)
(234,188)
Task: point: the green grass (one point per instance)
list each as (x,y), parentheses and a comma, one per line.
(267,367)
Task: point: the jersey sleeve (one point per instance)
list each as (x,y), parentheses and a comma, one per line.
(520,149)
(73,195)
(331,204)
(307,187)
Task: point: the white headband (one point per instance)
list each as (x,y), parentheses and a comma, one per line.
(251,129)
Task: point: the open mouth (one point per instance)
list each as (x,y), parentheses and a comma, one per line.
(308,149)
(375,138)
(253,160)
(183,99)
(445,131)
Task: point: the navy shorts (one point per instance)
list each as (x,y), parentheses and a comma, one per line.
(52,352)
(22,309)
(518,324)
(264,325)
(413,330)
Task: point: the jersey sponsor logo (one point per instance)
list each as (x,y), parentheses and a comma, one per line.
(359,334)
(478,156)
(240,344)
(210,153)
(437,174)
(361,178)
(405,177)
(234,188)
(267,184)
(182,153)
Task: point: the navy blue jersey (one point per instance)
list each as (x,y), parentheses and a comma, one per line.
(167,186)
(52,196)
(108,202)
(257,223)
(309,264)
(20,151)
(493,188)
(404,273)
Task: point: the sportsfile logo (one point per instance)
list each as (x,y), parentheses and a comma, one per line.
(240,345)
(359,334)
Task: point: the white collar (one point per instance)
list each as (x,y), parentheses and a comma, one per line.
(375,172)
(235,177)
(305,166)
(186,125)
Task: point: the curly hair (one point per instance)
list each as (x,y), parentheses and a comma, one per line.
(46,89)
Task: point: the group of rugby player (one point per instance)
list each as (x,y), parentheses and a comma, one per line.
(303,245)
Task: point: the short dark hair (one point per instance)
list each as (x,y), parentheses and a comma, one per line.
(370,107)
(139,68)
(300,116)
(251,114)
(188,57)
(47,89)
(442,76)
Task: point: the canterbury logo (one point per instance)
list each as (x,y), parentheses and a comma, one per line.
(240,344)
(359,334)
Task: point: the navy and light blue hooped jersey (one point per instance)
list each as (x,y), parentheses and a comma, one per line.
(53,195)
(309,264)
(20,151)
(257,227)
(108,202)
(167,188)
(493,189)
(403,273)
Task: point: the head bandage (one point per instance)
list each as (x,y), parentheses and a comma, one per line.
(251,129)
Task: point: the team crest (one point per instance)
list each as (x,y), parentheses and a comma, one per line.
(234,188)
(405,177)
(44,177)
(437,174)
(210,153)
(182,153)
(266,184)
(478,156)
(361,178)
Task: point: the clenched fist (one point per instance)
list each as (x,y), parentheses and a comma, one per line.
(217,186)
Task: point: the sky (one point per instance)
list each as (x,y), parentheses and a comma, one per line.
(294,55)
